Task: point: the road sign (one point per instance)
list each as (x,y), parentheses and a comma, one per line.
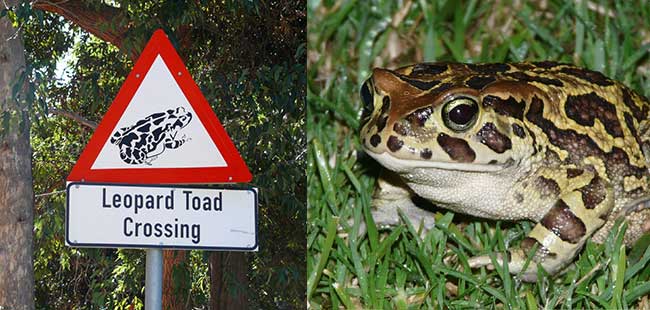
(164,216)
(160,130)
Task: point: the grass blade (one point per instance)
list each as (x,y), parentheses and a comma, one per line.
(324,256)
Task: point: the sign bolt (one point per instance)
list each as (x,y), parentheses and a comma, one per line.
(137,76)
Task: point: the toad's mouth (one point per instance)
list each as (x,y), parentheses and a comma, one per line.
(405,165)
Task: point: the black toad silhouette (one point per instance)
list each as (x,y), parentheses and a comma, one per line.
(151,136)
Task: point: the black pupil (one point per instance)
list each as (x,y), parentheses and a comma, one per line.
(462,113)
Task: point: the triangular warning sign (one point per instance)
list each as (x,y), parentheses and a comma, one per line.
(160,129)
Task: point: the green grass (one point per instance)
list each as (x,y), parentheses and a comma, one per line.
(397,268)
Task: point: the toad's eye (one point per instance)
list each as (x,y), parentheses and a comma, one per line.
(460,113)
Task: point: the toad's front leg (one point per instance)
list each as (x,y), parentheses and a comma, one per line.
(171,143)
(392,194)
(561,232)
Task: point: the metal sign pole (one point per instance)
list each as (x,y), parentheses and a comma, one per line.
(153,280)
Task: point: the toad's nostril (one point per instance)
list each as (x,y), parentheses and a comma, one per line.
(367,99)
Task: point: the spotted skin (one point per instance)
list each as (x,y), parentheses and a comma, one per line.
(457,149)
(551,143)
(490,135)
(144,141)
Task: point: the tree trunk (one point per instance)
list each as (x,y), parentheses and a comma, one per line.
(172,298)
(16,193)
(228,280)
(102,20)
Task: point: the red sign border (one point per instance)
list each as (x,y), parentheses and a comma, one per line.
(235,169)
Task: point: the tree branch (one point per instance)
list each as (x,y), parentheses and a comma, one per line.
(104,21)
(74,116)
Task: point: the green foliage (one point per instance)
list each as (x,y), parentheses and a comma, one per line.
(399,268)
(249,62)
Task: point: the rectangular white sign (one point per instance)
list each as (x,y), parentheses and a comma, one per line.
(160,216)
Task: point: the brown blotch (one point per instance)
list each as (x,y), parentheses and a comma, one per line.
(457,149)
(548,187)
(519,131)
(385,104)
(394,144)
(489,68)
(588,75)
(547,64)
(535,146)
(524,66)
(441,88)
(639,114)
(428,69)
(594,192)
(629,121)
(422,85)
(400,129)
(521,76)
(381,123)
(478,82)
(551,157)
(508,107)
(573,172)
(585,109)
(529,243)
(426,153)
(604,216)
(563,223)
(375,140)
(496,141)
(618,160)
(420,116)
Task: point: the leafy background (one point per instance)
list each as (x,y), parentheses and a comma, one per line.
(397,269)
(248,58)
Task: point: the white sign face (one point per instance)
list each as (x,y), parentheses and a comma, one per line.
(142,216)
(159,129)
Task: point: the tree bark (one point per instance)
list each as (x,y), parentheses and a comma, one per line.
(228,280)
(16,192)
(171,299)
